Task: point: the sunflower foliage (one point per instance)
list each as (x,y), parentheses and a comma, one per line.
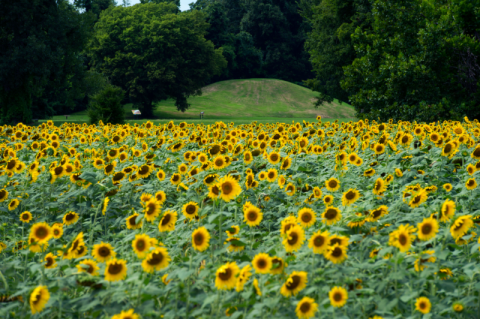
(308,220)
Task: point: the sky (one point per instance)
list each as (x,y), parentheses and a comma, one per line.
(183,3)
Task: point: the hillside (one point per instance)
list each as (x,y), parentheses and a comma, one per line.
(254,98)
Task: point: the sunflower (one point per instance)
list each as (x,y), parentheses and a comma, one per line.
(88,266)
(115,269)
(294,239)
(243,277)
(470,184)
(200,239)
(252,215)
(336,253)
(447,187)
(332,184)
(141,245)
(226,276)
(70,218)
(379,187)
(338,296)
(317,192)
(369,172)
(161,197)
(41,232)
(423,305)
(296,282)
(3,195)
(306,217)
(167,223)
(420,198)
(427,229)
(219,162)
(156,260)
(247,157)
(273,158)
(290,189)
(448,210)
(461,226)
(152,209)
(331,215)
(262,176)
(234,230)
(213,192)
(286,164)
(402,237)
(161,175)
(210,179)
(350,197)
(103,252)
(234,244)
(50,261)
(272,175)
(262,263)
(278,265)
(164,279)
(229,188)
(106,200)
(319,242)
(38,299)
(133,223)
(13,204)
(457,307)
(328,200)
(26,217)
(306,308)
(190,210)
(176,179)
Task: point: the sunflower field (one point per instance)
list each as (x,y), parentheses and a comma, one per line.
(301,220)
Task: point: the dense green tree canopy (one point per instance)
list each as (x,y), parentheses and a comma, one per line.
(153,53)
(419,61)
(262,38)
(329,43)
(40,42)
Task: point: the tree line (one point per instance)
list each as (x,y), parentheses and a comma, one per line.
(401,60)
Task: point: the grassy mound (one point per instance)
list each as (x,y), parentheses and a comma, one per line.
(255,98)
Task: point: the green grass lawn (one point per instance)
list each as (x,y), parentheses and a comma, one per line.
(241,102)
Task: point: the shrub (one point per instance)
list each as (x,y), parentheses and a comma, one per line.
(106,106)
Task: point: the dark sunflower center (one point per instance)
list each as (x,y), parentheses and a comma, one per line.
(227,188)
(104,252)
(115,269)
(132,219)
(318,241)
(190,209)
(337,252)
(427,229)
(219,162)
(166,219)
(262,264)
(350,195)
(332,184)
(337,297)
(49,262)
(252,216)
(476,152)
(175,178)
(225,275)
(274,157)
(402,239)
(271,175)
(25,216)
(305,307)
(198,239)
(156,259)
(306,217)
(292,238)
(70,217)
(143,170)
(294,283)
(331,214)
(151,208)
(423,305)
(41,233)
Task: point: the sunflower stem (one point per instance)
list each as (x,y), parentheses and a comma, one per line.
(4,281)
(220,230)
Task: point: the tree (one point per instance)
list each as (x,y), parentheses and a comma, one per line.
(176,2)
(418,62)
(94,6)
(329,43)
(155,54)
(262,38)
(41,41)
(106,106)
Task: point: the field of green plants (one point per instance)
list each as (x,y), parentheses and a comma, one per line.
(302,220)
